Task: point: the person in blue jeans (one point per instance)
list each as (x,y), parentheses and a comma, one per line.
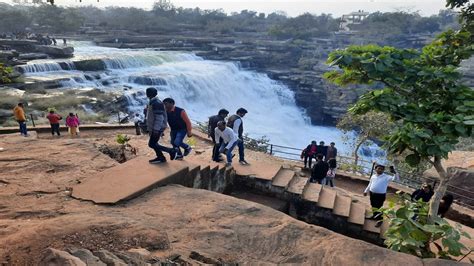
(228,140)
(235,123)
(156,125)
(180,126)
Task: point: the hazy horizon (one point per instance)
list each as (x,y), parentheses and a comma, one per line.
(335,7)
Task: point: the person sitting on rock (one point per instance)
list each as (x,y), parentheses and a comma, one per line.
(227,140)
(319,171)
(424,193)
(180,127)
(212,124)
(309,153)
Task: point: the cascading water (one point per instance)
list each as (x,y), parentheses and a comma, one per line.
(200,86)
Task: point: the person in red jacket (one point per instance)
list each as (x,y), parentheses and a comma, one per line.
(54,122)
(180,127)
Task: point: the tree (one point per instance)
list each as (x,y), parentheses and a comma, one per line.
(422,93)
(371,125)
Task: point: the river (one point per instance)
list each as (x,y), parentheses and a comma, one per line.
(201,87)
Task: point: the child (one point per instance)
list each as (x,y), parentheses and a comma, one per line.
(331,172)
(54,122)
(72,122)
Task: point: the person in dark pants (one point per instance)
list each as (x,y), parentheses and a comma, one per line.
(424,193)
(156,125)
(180,127)
(331,152)
(445,204)
(323,150)
(309,153)
(136,122)
(320,170)
(235,122)
(20,117)
(212,124)
(331,172)
(378,189)
(54,122)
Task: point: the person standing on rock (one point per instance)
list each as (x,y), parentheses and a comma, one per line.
(212,124)
(72,122)
(331,175)
(309,153)
(54,122)
(378,189)
(235,122)
(331,151)
(180,126)
(227,138)
(156,120)
(319,171)
(20,117)
(322,149)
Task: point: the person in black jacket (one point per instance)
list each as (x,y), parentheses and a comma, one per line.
(323,150)
(424,193)
(320,170)
(213,120)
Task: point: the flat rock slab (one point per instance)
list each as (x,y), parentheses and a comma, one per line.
(128,180)
(283,177)
(258,170)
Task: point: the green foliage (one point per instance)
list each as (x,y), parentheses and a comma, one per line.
(122,139)
(5,72)
(410,231)
(305,27)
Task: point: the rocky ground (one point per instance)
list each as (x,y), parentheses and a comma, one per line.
(168,224)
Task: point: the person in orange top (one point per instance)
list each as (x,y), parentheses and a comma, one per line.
(180,127)
(54,122)
(20,117)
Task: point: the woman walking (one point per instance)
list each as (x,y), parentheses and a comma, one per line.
(72,122)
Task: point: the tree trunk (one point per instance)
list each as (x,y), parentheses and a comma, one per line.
(356,152)
(440,190)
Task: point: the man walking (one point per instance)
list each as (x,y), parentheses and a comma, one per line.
(227,140)
(212,124)
(320,170)
(156,124)
(54,122)
(180,127)
(235,122)
(378,189)
(20,117)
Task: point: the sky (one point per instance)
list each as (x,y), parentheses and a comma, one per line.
(292,8)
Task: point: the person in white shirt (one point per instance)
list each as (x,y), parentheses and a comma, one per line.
(235,122)
(136,120)
(229,140)
(378,188)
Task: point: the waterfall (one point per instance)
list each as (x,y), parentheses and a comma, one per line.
(201,87)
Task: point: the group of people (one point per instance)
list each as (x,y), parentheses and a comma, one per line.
(72,121)
(227,135)
(42,39)
(324,170)
(159,114)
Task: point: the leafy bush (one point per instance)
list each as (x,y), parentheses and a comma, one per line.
(5,72)
(410,231)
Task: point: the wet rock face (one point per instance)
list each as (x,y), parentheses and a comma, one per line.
(55,51)
(90,65)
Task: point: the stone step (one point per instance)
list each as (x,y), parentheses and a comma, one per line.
(311,192)
(384,228)
(283,178)
(342,205)
(258,170)
(297,184)
(369,224)
(327,198)
(357,213)
(130,179)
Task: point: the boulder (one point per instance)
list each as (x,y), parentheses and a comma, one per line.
(54,257)
(109,258)
(32,56)
(55,51)
(90,65)
(87,257)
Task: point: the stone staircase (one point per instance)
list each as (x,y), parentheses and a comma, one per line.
(310,202)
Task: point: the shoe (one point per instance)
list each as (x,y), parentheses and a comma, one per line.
(379,223)
(187,151)
(179,157)
(218,160)
(173,154)
(243,162)
(228,164)
(157,161)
